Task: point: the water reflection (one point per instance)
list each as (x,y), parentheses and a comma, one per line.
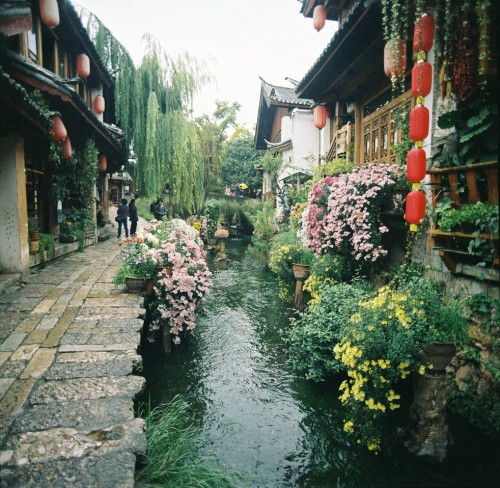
(256,415)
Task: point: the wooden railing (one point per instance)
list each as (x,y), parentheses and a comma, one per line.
(341,143)
(463,184)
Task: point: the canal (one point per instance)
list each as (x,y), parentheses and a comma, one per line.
(262,420)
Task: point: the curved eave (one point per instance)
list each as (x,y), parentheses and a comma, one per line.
(18,109)
(38,77)
(355,32)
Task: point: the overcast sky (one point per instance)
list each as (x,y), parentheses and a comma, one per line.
(239,40)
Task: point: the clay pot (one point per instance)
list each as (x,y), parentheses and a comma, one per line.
(301,271)
(439,354)
(135,285)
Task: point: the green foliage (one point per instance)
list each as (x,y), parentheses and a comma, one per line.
(240,160)
(46,248)
(477,399)
(333,167)
(312,336)
(471,218)
(212,211)
(475,139)
(213,132)
(173,458)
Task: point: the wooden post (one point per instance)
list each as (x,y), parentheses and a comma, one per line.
(299,295)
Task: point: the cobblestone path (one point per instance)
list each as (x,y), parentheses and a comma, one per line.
(68,375)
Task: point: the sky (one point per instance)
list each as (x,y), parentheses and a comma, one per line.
(239,40)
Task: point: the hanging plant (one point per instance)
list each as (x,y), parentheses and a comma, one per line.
(483,20)
(466,63)
(395,29)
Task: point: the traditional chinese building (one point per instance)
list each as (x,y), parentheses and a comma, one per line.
(50,76)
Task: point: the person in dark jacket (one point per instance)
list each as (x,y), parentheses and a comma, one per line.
(122,216)
(132,215)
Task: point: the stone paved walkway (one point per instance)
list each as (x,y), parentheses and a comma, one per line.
(68,375)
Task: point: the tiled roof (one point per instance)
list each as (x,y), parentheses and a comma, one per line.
(333,44)
(283,95)
(17,94)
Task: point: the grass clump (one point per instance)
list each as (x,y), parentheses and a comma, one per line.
(173,459)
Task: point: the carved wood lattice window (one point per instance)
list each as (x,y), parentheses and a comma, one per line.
(379,134)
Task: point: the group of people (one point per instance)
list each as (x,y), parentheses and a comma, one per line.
(124,213)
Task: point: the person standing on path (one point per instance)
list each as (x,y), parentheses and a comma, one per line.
(132,215)
(121,218)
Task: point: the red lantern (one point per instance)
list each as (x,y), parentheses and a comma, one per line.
(58,129)
(423,34)
(320,116)
(83,65)
(395,58)
(99,104)
(416,165)
(421,79)
(67,151)
(49,12)
(419,123)
(319,17)
(415,208)
(103,163)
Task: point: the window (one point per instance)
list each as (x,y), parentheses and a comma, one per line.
(33,51)
(379,134)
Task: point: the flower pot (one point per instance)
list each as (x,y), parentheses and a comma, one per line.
(439,354)
(301,271)
(211,242)
(135,285)
(34,246)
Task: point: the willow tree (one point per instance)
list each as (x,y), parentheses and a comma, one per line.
(153,107)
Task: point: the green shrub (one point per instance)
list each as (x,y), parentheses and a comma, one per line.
(311,337)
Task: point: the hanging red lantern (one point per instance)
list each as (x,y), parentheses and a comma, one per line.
(103,163)
(421,79)
(423,34)
(320,114)
(415,209)
(59,131)
(99,104)
(83,65)
(419,123)
(67,151)
(319,17)
(395,58)
(49,12)
(416,165)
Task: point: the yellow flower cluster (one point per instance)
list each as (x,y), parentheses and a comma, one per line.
(347,353)
(393,302)
(312,286)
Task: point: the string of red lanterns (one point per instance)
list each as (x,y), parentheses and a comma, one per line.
(421,85)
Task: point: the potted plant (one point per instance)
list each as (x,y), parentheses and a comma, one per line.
(101,219)
(140,264)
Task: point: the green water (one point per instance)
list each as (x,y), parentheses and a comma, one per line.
(262,420)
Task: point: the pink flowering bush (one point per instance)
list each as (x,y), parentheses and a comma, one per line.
(343,216)
(182,287)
